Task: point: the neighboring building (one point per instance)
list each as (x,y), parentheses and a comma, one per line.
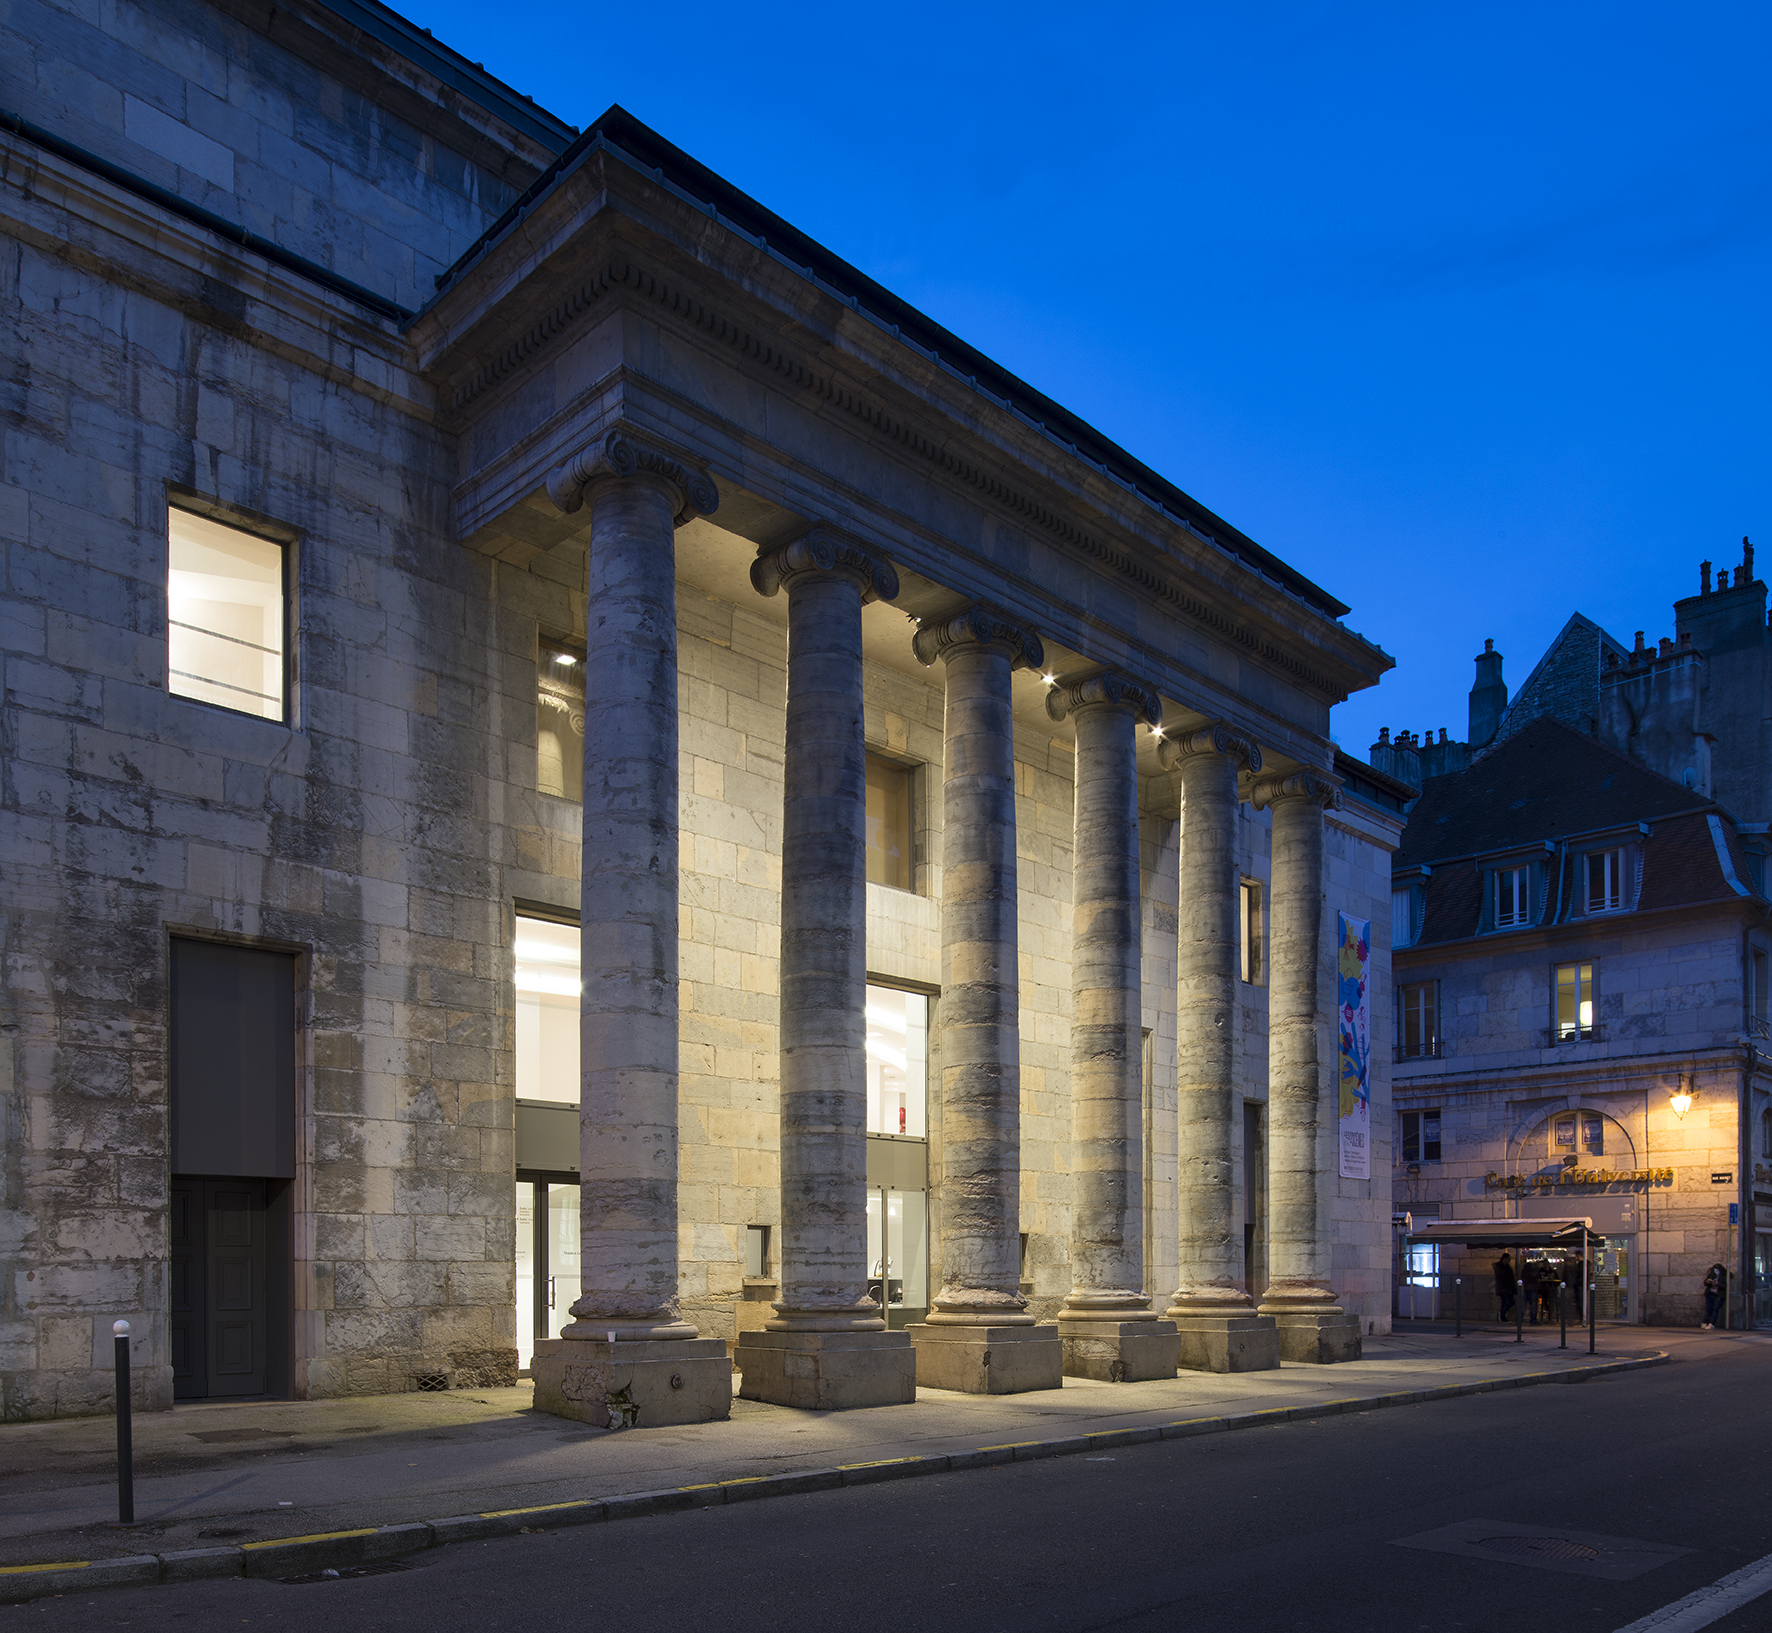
(361,420)
(1581,958)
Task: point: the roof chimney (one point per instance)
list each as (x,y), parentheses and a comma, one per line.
(1488,697)
(1704,578)
(1747,558)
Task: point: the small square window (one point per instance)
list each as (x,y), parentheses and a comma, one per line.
(890,843)
(756,1250)
(1575,1003)
(1421,1136)
(1250,931)
(225,595)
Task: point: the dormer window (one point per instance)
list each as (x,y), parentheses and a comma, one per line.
(1607,875)
(1408,905)
(1513,897)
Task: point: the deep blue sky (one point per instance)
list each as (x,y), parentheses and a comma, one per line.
(1462,310)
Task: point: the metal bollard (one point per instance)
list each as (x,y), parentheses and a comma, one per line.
(1563,1314)
(125,1447)
(1458,1306)
(1591,1301)
(1520,1310)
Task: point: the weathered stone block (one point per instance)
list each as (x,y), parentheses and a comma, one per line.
(1118,1352)
(823,1372)
(1228,1343)
(988,1360)
(623,1386)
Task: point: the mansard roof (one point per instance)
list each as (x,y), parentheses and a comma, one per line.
(1545,782)
(1549,783)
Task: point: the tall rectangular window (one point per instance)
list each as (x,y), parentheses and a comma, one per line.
(1251,932)
(1759,974)
(889,848)
(559,721)
(225,595)
(897,1062)
(547,1010)
(1403,916)
(1575,1002)
(1418,1020)
(1421,1136)
(1513,897)
(1605,879)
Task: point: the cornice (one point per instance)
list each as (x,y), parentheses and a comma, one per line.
(825,550)
(619,274)
(980,625)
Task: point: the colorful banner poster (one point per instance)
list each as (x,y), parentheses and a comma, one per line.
(1356,1047)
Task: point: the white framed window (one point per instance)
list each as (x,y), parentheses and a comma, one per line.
(1402,916)
(1418,1020)
(1575,1004)
(1512,896)
(226,616)
(1607,879)
(1421,1135)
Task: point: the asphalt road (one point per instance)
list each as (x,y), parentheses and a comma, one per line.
(1291,1527)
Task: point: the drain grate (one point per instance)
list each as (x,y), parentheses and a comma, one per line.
(1539,1547)
(344,1573)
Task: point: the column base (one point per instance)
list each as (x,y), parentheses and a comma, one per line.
(640,1385)
(1245,1342)
(1318,1337)
(827,1371)
(988,1360)
(1117,1352)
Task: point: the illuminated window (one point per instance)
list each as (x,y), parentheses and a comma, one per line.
(225,620)
(559,721)
(1575,1002)
(890,848)
(1249,912)
(1513,897)
(547,1011)
(897,1062)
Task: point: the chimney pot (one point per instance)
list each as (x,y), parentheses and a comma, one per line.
(1489,646)
(1704,578)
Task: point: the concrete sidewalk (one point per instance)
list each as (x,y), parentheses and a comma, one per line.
(224,1478)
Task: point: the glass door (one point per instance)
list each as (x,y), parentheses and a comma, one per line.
(1762,1277)
(547,1258)
(1612,1279)
(525,1273)
(898,1253)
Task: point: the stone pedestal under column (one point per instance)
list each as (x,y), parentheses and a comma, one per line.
(827,1371)
(1239,1341)
(1318,1337)
(633,1385)
(988,1360)
(1117,1352)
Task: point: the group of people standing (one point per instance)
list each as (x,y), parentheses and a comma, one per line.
(1542,1277)
(1539,1281)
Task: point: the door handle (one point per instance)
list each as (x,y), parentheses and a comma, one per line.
(550,1292)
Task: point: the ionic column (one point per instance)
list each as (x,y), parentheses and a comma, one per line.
(607,1367)
(1220,1331)
(979,1314)
(827,1345)
(1312,1326)
(1107,1326)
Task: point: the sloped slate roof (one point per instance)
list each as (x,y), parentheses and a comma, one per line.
(1545,782)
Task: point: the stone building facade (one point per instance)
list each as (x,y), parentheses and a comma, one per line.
(1581,962)
(528,680)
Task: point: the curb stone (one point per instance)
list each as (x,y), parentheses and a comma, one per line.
(334,1550)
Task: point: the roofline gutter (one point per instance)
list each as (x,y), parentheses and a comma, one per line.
(1635,916)
(232,231)
(1708,809)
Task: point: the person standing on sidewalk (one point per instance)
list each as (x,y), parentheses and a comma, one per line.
(1506,1283)
(1715,1280)
(1532,1287)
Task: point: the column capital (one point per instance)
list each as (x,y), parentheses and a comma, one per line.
(980,625)
(623,452)
(825,550)
(1174,752)
(1109,688)
(1318,787)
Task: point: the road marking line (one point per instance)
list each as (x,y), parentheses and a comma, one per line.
(57,1565)
(318,1536)
(508,1513)
(1710,1604)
